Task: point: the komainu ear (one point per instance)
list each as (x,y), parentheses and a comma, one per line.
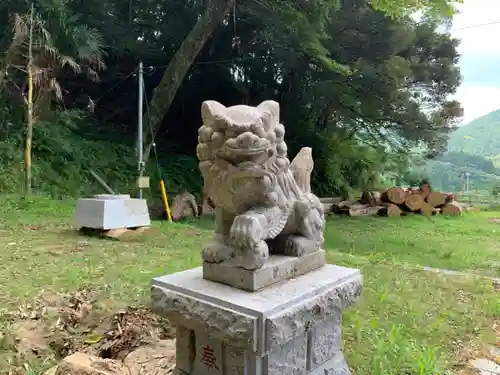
(272,108)
(211,110)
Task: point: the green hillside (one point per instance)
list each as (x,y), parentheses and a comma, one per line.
(472,148)
(479,137)
(448,171)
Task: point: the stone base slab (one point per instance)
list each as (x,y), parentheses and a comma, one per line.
(289,328)
(111,212)
(276,269)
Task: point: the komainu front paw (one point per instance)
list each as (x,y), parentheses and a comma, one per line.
(246,236)
(246,232)
(251,259)
(217,250)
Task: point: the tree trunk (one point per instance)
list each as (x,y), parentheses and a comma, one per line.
(394,195)
(437,199)
(360,210)
(427,209)
(390,210)
(452,209)
(337,207)
(29,125)
(425,190)
(414,202)
(372,198)
(29,140)
(328,203)
(178,67)
(331,200)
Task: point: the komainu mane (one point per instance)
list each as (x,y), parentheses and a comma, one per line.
(263,204)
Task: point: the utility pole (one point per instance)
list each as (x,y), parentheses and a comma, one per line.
(140,144)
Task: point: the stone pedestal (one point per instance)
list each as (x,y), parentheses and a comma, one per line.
(289,328)
(278,268)
(106,211)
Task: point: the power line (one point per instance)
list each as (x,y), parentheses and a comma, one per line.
(152,69)
(476,26)
(215,61)
(116,85)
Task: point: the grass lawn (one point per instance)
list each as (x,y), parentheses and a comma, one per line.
(409,321)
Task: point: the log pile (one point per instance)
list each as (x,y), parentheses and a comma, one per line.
(398,201)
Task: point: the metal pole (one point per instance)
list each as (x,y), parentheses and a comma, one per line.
(139,131)
(101,181)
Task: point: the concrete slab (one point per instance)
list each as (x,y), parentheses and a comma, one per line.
(485,366)
(111,212)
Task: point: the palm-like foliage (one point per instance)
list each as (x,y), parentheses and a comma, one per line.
(58,42)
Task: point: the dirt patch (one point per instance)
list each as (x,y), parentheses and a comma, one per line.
(471,355)
(124,332)
(30,338)
(153,359)
(55,326)
(158,358)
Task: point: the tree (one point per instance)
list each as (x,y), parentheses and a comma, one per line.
(356,83)
(302,20)
(163,96)
(38,52)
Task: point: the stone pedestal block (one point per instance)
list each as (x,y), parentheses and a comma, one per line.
(278,268)
(106,212)
(289,328)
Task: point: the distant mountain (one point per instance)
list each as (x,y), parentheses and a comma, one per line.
(472,148)
(450,176)
(479,137)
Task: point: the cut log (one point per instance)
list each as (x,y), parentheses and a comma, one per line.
(437,199)
(337,207)
(427,209)
(327,208)
(331,200)
(390,210)
(414,202)
(412,191)
(424,191)
(452,209)
(371,198)
(183,205)
(394,195)
(450,197)
(361,210)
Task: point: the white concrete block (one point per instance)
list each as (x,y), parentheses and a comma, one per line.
(111,212)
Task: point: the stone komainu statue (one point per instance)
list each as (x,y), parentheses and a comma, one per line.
(263,204)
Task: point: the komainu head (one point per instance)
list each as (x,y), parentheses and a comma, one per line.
(241,151)
(241,135)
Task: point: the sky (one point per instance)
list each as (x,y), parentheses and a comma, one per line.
(480,57)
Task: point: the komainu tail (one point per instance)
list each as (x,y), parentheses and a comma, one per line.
(301,167)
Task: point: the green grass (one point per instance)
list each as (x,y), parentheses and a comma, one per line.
(468,244)
(408,321)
